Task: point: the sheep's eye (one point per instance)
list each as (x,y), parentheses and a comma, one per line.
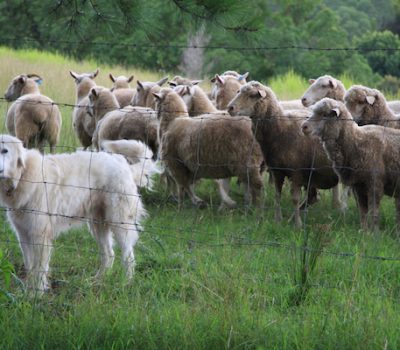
(4,151)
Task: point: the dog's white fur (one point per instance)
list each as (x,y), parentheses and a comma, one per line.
(45,195)
(139,157)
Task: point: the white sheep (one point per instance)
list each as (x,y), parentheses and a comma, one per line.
(33,117)
(46,195)
(83,124)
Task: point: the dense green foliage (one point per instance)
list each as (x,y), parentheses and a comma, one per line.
(154,34)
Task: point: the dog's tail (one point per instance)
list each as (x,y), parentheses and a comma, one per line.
(139,157)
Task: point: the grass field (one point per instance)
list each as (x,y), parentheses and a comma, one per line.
(207,279)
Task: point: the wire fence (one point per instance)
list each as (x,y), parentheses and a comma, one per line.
(49,187)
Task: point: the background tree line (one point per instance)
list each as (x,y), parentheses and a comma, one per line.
(155,34)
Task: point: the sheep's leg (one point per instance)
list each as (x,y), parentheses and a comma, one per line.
(312,198)
(296,197)
(127,239)
(223,188)
(362,202)
(198,202)
(103,236)
(278,182)
(374,198)
(256,188)
(27,250)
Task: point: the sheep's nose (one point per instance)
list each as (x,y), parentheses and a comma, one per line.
(230,110)
(304,101)
(305,128)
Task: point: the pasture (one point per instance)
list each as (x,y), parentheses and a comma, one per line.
(207,279)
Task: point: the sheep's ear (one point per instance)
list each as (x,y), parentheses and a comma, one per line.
(335,112)
(139,84)
(370,99)
(39,81)
(196,82)
(94,93)
(213,79)
(243,76)
(219,79)
(262,93)
(22,80)
(311,81)
(162,81)
(95,73)
(172,83)
(332,84)
(157,95)
(180,90)
(112,78)
(21,162)
(73,74)
(130,78)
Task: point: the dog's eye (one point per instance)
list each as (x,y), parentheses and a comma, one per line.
(4,151)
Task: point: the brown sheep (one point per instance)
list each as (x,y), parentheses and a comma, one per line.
(144,93)
(83,124)
(33,117)
(178,80)
(365,158)
(287,152)
(207,147)
(113,123)
(369,106)
(122,90)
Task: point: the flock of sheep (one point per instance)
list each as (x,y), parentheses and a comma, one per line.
(238,129)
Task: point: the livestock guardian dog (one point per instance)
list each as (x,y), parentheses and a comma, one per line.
(45,195)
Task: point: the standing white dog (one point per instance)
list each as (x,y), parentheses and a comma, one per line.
(45,195)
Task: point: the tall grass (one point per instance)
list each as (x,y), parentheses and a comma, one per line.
(207,279)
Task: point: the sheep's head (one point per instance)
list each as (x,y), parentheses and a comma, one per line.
(252,98)
(226,86)
(178,80)
(327,118)
(325,86)
(144,90)
(22,84)
(186,92)
(121,82)
(364,104)
(12,163)
(79,78)
(169,102)
(101,101)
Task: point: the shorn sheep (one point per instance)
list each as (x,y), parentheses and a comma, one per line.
(207,147)
(369,106)
(113,123)
(328,86)
(287,152)
(122,90)
(366,158)
(46,195)
(83,125)
(33,117)
(144,93)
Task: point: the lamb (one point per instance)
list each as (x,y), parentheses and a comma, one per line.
(365,157)
(46,195)
(33,117)
(369,106)
(207,147)
(122,89)
(328,86)
(287,152)
(144,93)
(112,123)
(83,124)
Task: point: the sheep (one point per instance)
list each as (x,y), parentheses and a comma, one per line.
(228,86)
(144,93)
(369,106)
(122,89)
(178,80)
(83,125)
(365,157)
(207,147)
(46,195)
(33,117)
(112,123)
(287,152)
(328,86)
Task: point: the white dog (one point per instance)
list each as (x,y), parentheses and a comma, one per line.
(45,195)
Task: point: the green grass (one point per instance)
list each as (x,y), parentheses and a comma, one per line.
(206,279)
